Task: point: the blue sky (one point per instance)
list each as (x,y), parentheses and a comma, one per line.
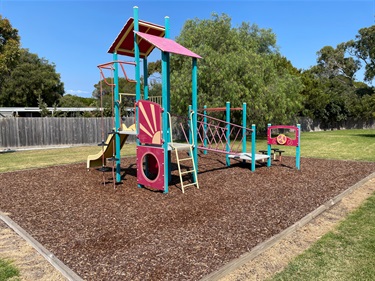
(76,35)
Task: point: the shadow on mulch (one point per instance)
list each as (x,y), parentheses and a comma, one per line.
(131,233)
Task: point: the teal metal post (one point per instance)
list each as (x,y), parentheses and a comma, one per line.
(227,133)
(298,148)
(116,103)
(145,79)
(137,61)
(191,132)
(253,146)
(205,128)
(167,71)
(164,67)
(269,149)
(137,70)
(195,109)
(168,95)
(166,24)
(244,128)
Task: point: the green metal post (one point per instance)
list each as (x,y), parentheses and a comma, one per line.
(117,117)
(244,127)
(269,161)
(168,95)
(195,108)
(298,148)
(137,70)
(190,134)
(145,79)
(253,146)
(227,133)
(137,60)
(165,126)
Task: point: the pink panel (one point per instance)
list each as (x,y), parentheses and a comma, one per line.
(167,45)
(289,141)
(149,116)
(155,157)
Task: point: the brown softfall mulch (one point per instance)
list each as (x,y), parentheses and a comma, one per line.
(132,233)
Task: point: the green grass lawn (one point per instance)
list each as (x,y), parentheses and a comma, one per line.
(341,144)
(30,159)
(348,253)
(8,271)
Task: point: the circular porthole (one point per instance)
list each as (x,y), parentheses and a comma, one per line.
(150,167)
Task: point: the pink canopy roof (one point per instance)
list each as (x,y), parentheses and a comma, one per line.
(167,45)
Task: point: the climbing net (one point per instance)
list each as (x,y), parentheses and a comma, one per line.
(212,133)
(219,135)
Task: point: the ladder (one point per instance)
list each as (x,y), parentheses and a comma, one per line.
(184,147)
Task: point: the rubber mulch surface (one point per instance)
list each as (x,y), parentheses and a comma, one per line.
(132,233)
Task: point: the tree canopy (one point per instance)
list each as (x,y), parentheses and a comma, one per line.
(363,48)
(240,64)
(9,47)
(24,77)
(331,92)
(30,79)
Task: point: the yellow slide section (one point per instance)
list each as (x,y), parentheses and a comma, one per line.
(108,150)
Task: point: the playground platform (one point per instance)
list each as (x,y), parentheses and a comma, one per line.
(248,156)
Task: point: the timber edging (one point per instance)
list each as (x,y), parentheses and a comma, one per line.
(50,257)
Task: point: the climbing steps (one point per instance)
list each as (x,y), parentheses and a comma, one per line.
(183,147)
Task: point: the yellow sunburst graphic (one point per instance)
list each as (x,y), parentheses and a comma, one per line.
(149,122)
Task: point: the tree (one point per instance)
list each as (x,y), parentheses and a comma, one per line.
(75,101)
(331,92)
(363,48)
(239,65)
(334,64)
(44,112)
(9,49)
(30,79)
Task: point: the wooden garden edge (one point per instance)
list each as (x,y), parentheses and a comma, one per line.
(260,248)
(54,261)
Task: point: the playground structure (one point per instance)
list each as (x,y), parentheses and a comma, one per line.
(284,139)
(153,121)
(138,39)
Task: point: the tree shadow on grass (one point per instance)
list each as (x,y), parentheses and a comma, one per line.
(364,135)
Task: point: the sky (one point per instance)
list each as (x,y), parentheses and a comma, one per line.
(76,35)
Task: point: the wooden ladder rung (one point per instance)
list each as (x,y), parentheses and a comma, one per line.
(184,159)
(189,184)
(187,172)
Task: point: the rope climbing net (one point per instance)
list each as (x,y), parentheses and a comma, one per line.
(212,134)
